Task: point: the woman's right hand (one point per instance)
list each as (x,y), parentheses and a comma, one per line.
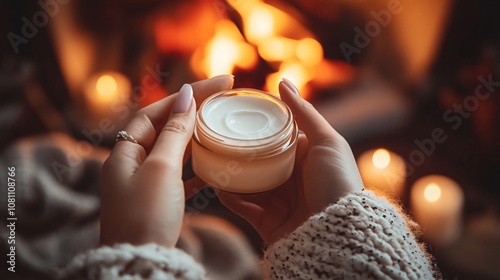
(325,170)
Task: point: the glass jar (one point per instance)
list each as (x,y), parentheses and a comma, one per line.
(244,141)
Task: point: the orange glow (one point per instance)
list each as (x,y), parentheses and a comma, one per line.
(186,27)
(277,49)
(309,51)
(260,20)
(295,72)
(332,72)
(275,35)
(381,158)
(432,192)
(260,23)
(226,50)
(106,87)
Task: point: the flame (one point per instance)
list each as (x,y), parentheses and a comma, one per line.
(309,51)
(298,59)
(432,192)
(186,27)
(279,38)
(293,71)
(259,24)
(277,49)
(226,50)
(381,158)
(260,20)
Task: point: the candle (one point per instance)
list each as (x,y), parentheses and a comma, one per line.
(106,106)
(436,203)
(103,89)
(383,170)
(244,141)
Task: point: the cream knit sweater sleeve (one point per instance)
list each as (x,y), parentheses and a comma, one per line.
(360,237)
(125,261)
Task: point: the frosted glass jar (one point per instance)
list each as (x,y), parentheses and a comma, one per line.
(244,141)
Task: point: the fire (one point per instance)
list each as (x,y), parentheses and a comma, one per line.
(260,24)
(226,50)
(293,71)
(309,51)
(277,49)
(260,20)
(273,35)
(298,61)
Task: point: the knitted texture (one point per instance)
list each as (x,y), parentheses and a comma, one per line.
(124,261)
(360,237)
(57,200)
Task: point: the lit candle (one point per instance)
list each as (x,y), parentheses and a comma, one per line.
(103,89)
(383,170)
(436,203)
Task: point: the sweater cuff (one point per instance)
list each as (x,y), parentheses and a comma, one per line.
(125,261)
(361,236)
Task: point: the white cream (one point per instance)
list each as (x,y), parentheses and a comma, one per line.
(244,117)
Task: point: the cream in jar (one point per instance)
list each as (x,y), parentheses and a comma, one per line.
(244,141)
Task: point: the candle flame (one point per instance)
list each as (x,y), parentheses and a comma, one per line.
(432,192)
(381,158)
(106,87)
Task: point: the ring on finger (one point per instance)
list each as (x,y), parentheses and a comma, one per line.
(124,136)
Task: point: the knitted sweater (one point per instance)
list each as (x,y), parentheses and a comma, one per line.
(360,237)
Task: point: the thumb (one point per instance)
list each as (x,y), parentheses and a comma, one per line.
(176,134)
(316,128)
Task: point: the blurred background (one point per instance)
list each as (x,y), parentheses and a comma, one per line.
(412,85)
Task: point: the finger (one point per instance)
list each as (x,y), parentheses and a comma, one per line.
(176,134)
(204,89)
(126,157)
(151,119)
(245,209)
(302,149)
(316,128)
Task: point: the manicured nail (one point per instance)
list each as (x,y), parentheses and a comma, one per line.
(183,100)
(223,76)
(291,86)
(226,76)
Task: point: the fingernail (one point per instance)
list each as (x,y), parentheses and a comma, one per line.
(223,76)
(226,76)
(183,100)
(291,86)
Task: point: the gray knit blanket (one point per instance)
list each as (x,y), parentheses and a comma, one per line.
(57,213)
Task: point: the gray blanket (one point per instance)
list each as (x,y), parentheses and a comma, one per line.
(57,211)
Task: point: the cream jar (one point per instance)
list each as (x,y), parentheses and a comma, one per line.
(244,141)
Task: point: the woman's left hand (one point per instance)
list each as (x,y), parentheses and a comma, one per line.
(142,192)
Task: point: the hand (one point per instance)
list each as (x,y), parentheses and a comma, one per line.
(142,192)
(324,171)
